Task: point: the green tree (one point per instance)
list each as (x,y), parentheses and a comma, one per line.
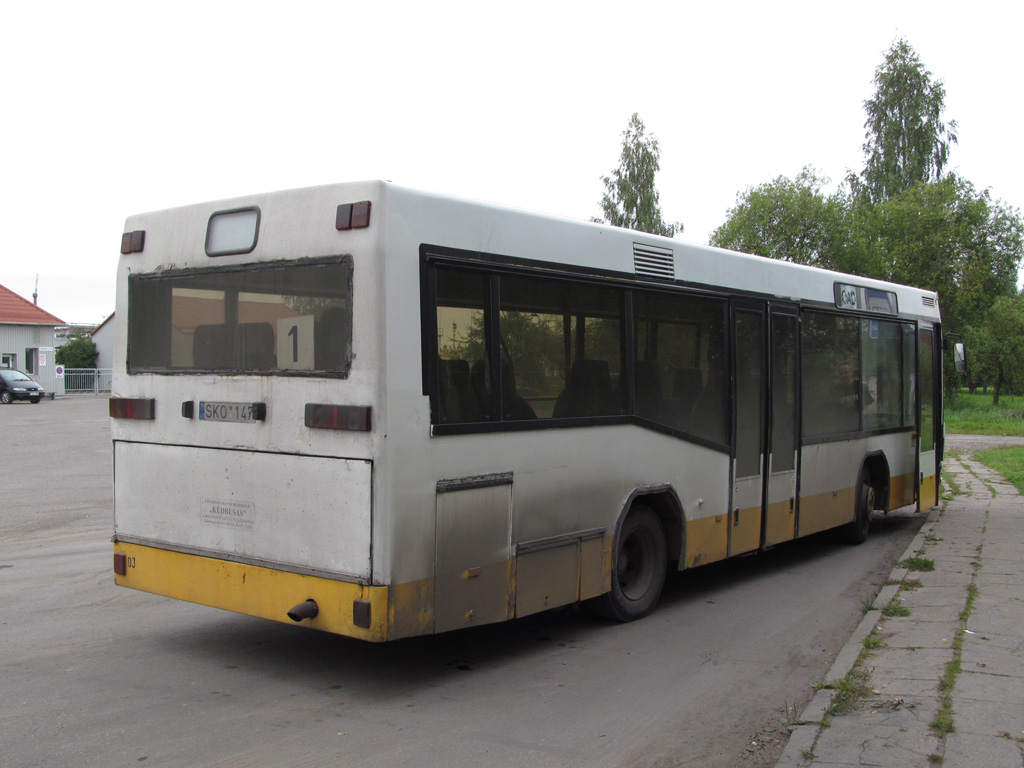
(792,220)
(947,237)
(906,140)
(630,199)
(79,352)
(998,344)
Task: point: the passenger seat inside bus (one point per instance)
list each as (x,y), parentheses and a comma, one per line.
(211,347)
(330,338)
(686,390)
(647,389)
(454,390)
(589,392)
(513,407)
(254,346)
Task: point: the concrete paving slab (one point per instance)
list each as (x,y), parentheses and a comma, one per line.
(986,717)
(971,750)
(927,608)
(1004,653)
(907,689)
(986,686)
(911,663)
(909,633)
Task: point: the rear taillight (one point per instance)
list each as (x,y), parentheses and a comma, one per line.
(355,418)
(132,408)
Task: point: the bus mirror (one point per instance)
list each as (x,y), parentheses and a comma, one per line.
(959,357)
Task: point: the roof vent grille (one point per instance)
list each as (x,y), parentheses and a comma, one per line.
(928,301)
(652,261)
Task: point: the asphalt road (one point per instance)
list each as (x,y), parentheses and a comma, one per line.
(95,675)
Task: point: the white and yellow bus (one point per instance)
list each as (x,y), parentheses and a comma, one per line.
(385,413)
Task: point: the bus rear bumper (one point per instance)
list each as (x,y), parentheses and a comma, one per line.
(344,608)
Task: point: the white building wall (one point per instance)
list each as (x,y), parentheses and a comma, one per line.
(103,338)
(17,339)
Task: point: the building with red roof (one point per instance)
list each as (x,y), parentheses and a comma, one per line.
(27,336)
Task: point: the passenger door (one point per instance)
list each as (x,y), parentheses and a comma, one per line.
(929,404)
(750,426)
(780,496)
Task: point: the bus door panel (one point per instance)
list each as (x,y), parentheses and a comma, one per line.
(472,582)
(780,495)
(930,389)
(748,331)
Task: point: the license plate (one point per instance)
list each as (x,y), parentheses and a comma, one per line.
(237,412)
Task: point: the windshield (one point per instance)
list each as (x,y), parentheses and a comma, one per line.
(13,376)
(285,318)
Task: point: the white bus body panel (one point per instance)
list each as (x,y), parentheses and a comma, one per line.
(309,512)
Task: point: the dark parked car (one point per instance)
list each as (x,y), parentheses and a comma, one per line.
(15,385)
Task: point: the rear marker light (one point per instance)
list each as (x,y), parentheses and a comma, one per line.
(133,242)
(353,216)
(132,408)
(120,563)
(355,418)
(361,613)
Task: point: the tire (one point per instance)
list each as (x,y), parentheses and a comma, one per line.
(35,400)
(857,531)
(639,562)
(5,398)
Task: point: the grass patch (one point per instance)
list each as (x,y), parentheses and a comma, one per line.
(952,487)
(975,415)
(873,641)
(918,564)
(1008,462)
(895,608)
(972,592)
(849,690)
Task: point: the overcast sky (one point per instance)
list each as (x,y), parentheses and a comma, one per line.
(117,108)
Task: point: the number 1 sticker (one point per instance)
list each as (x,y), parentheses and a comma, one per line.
(295,343)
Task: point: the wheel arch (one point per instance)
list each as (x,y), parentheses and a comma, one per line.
(876,465)
(665,503)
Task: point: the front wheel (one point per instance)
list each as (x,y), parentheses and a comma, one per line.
(5,398)
(35,399)
(639,563)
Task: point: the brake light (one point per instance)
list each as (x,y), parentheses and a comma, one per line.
(355,418)
(353,216)
(132,408)
(133,242)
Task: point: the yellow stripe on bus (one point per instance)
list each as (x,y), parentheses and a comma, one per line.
(707,540)
(253,590)
(826,510)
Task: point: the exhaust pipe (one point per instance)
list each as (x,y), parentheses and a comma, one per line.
(305,610)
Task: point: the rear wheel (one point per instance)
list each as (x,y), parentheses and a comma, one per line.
(639,563)
(857,531)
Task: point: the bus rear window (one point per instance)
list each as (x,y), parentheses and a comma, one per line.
(289,318)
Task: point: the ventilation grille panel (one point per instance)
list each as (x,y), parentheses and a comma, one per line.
(928,301)
(652,261)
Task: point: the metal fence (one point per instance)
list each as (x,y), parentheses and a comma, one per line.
(78,381)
